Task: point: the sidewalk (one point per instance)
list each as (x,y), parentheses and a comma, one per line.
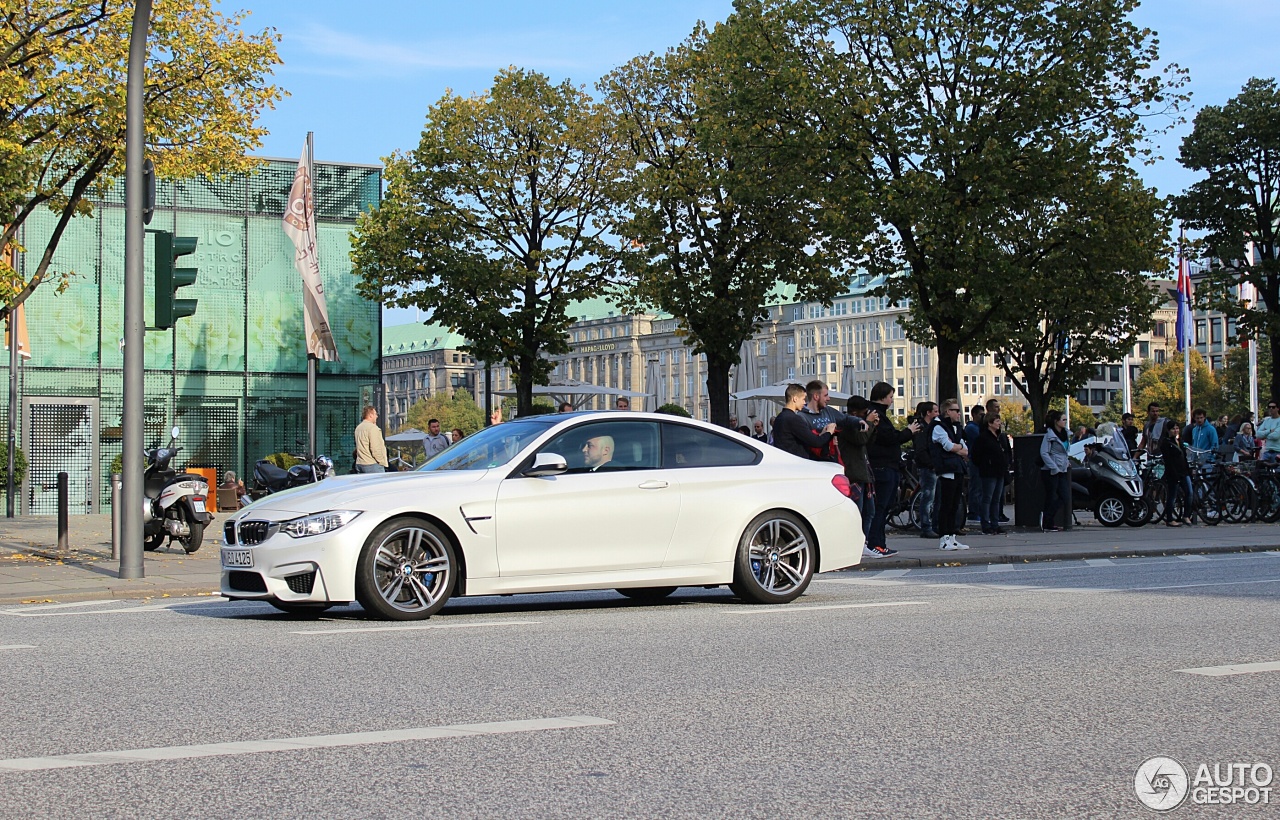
(31,571)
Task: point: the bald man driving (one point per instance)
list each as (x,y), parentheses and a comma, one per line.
(597,452)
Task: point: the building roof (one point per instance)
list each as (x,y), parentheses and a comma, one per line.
(418,338)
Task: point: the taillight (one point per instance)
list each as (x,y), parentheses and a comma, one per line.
(841,482)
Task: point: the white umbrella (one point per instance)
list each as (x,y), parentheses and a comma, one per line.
(572,391)
(777,393)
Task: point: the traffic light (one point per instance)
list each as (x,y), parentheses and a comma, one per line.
(169,278)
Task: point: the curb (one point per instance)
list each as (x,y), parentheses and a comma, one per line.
(119,594)
(951,558)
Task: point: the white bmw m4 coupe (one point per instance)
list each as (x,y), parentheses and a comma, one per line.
(638,502)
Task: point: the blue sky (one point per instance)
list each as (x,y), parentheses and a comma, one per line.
(362,75)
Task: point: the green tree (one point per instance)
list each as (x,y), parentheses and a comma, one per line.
(62,108)
(710,226)
(1074,265)
(1164,384)
(952,120)
(459,410)
(1237,205)
(493,224)
(1234,377)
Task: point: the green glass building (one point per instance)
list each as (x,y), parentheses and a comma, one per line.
(233,376)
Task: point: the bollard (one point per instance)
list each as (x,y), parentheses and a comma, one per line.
(64,523)
(115,516)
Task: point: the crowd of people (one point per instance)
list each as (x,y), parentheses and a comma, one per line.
(946,451)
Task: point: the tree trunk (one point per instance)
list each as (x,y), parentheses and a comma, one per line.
(524,386)
(948,381)
(1038,402)
(1274,340)
(718,391)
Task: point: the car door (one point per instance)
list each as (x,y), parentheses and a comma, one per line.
(721,488)
(614,516)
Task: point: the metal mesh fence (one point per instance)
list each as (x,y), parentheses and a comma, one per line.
(232,376)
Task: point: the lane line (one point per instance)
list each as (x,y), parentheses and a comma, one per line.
(867,582)
(1233,669)
(43,607)
(1099,562)
(18,646)
(1192,557)
(786,609)
(1188,586)
(892,573)
(414,627)
(1000,568)
(34,764)
(123,609)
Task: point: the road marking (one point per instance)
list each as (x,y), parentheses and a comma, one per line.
(758,610)
(1188,586)
(999,567)
(1099,562)
(289,744)
(17,646)
(1272,553)
(869,582)
(123,608)
(1233,669)
(411,628)
(1192,557)
(892,573)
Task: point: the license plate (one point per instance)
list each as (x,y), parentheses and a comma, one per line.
(198,503)
(237,558)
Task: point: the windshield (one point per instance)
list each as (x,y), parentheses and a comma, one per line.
(491,447)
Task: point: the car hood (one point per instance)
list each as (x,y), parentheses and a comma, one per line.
(356,491)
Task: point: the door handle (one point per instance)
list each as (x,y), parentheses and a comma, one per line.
(653,485)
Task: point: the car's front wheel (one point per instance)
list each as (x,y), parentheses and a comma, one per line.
(406,570)
(775,559)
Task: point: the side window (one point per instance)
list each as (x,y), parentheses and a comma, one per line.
(608,445)
(686,446)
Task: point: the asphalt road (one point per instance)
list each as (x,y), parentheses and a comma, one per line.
(1030,690)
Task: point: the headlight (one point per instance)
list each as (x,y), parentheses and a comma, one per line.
(318,524)
(1124,468)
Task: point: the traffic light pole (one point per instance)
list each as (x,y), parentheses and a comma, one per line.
(134,294)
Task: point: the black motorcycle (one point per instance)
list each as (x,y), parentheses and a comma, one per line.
(1109,484)
(173,502)
(268,478)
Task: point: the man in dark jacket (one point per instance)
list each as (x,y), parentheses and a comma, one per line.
(792,433)
(885,454)
(926,412)
(852,434)
(970,435)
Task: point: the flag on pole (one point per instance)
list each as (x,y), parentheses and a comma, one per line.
(18,319)
(300,227)
(1184,305)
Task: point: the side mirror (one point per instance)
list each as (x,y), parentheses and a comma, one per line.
(545,464)
(175,432)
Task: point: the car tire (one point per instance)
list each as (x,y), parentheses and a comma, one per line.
(646,593)
(303,610)
(406,571)
(1110,510)
(775,559)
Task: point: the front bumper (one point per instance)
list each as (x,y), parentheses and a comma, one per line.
(315,569)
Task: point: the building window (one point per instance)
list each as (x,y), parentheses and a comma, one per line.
(1115,373)
(1097,396)
(1159,356)
(1215,332)
(1159,332)
(1200,331)
(791,344)
(1144,350)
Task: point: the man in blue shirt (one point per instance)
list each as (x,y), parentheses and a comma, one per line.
(1203,434)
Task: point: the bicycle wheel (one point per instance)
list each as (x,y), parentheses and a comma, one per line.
(900,517)
(1268,498)
(1239,504)
(1156,496)
(1206,501)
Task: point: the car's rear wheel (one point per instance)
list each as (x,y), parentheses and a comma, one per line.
(647,593)
(305,610)
(406,570)
(775,559)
